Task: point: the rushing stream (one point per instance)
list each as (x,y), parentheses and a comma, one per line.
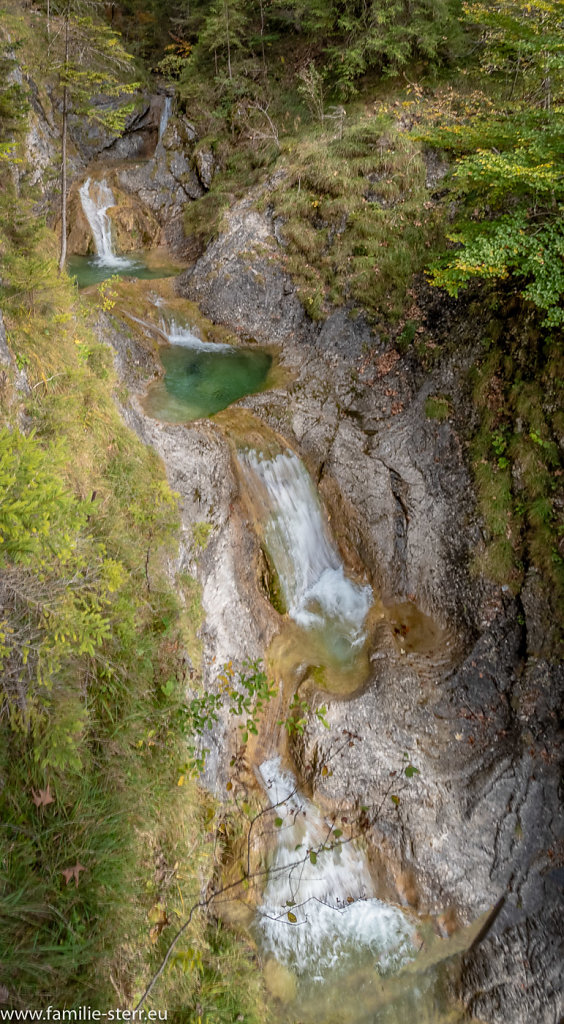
(337,917)
(165,117)
(316,591)
(347,956)
(334,952)
(96,198)
(342,956)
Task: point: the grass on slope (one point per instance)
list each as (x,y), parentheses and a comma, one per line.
(101,851)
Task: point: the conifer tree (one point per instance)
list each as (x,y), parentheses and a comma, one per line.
(90,64)
(225,29)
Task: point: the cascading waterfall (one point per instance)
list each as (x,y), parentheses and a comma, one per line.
(96,198)
(184,336)
(336,914)
(316,591)
(164,119)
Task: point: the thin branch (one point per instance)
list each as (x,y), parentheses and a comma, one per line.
(272,871)
(45,380)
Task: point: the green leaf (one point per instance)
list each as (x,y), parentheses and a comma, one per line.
(313,857)
(411,770)
(395,799)
(292,917)
(278,822)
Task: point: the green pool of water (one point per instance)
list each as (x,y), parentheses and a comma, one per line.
(87,270)
(199,382)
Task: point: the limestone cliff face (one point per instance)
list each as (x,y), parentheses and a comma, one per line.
(477,713)
(152,177)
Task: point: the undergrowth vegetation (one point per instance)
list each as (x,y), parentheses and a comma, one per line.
(356,219)
(104,837)
(100,848)
(517,389)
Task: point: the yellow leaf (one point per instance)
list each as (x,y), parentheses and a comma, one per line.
(157,914)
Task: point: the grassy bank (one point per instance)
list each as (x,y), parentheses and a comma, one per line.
(101,850)
(356,219)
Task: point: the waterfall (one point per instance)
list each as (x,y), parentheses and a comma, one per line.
(184,336)
(96,198)
(165,115)
(316,591)
(337,915)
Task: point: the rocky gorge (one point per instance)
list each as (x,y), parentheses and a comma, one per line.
(472,707)
(463,683)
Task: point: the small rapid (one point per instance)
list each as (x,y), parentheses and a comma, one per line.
(96,198)
(335,918)
(317,592)
(176,334)
(165,117)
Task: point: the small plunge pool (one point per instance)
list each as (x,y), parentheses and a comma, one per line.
(202,378)
(89,270)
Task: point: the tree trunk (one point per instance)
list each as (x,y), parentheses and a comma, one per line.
(226,9)
(63,250)
(262,37)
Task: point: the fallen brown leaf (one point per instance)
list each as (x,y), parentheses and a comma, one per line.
(73,872)
(42,797)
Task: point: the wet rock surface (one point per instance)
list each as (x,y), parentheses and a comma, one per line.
(166,182)
(357,416)
(517,976)
(480,720)
(239,622)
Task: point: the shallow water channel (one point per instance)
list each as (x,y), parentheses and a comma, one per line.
(333,951)
(348,957)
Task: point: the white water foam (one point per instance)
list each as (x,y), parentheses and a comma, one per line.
(337,915)
(312,577)
(96,198)
(165,116)
(178,335)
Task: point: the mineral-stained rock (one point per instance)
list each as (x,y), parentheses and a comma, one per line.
(479,715)
(239,622)
(134,226)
